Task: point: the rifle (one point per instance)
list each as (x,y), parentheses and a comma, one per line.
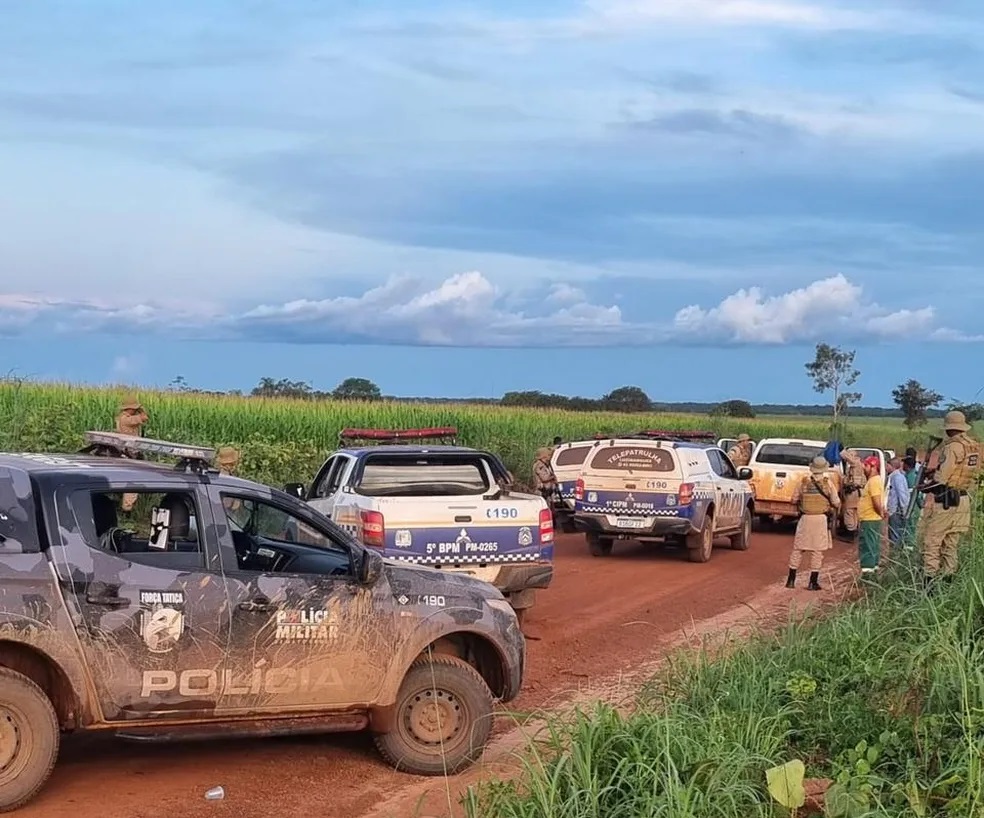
(925,476)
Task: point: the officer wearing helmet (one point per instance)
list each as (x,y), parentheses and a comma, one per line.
(949,486)
(543,473)
(818,502)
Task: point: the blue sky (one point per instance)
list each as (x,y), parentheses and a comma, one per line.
(466,198)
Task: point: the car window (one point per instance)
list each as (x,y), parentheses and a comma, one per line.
(787,454)
(633,459)
(424,476)
(725,468)
(270,522)
(331,476)
(573,456)
(145,526)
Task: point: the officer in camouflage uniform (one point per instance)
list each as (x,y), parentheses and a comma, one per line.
(818,502)
(854,480)
(227,459)
(959,467)
(741,453)
(130,420)
(543,473)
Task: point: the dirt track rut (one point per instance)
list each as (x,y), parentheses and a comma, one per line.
(601,617)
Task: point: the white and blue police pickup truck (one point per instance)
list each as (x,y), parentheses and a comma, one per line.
(671,487)
(448,507)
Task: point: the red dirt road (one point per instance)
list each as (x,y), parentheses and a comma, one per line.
(601,616)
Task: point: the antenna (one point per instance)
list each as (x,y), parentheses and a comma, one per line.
(191,458)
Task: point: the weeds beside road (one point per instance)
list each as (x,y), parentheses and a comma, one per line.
(885,697)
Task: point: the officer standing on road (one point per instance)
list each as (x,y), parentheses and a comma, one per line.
(130,421)
(956,475)
(816,497)
(854,480)
(543,473)
(741,453)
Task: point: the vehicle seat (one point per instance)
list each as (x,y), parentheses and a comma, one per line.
(103,514)
(180,535)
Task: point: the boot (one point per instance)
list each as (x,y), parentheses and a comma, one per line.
(791,580)
(814,582)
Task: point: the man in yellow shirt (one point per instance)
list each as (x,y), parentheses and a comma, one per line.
(872,514)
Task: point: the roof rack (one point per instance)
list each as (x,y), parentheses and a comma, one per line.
(444,434)
(196,459)
(663,434)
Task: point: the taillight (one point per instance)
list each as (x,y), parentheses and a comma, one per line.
(579,489)
(373,529)
(546,525)
(686,494)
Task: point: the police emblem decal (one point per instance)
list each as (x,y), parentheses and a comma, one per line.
(525,536)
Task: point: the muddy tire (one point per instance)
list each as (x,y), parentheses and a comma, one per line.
(444,714)
(29,739)
(740,541)
(567,525)
(600,546)
(701,544)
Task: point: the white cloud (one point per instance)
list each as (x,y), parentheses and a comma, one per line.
(831,306)
(468,310)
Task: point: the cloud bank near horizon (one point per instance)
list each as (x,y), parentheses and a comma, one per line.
(468,310)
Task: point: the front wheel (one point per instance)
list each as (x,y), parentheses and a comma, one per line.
(740,541)
(701,543)
(29,739)
(444,718)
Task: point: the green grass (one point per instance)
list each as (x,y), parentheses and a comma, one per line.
(285,440)
(886,696)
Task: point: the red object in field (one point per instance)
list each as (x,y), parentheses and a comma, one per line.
(397,435)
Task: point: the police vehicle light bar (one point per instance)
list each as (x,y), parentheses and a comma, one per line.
(115,444)
(674,434)
(398,435)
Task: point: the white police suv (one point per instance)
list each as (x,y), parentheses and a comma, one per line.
(672,487)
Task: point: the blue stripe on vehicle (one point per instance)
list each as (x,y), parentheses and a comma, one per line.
(463,543)
(638,503)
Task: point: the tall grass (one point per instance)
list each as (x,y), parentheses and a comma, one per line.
(886,697)
(286,440)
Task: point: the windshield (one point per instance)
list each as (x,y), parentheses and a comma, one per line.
(633,458)
(424,476)
(787,454)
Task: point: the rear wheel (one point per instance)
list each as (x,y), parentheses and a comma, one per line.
(600,546)
(29,739)
(444,715)
(701,543)
(740,541)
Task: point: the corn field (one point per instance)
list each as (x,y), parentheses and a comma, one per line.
(283,440)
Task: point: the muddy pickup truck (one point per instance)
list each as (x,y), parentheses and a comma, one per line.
(216,606)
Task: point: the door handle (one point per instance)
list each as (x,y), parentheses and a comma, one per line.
(109,601)
(256,605)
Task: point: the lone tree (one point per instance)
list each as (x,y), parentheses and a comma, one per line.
(832,370)
(627,399)
(356,389)
(914,399)
(734,409)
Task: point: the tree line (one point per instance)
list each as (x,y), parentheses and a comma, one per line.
(831,370)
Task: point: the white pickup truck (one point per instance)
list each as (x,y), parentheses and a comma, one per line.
(448,507)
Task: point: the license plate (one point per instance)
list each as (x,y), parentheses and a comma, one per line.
(630,522)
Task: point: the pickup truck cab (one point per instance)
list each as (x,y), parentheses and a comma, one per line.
(216,606)
(662,487)
(566,461)
(445,506)
(778,465)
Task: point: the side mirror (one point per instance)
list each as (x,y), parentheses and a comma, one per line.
(297,489)
(744,473)
(371,568)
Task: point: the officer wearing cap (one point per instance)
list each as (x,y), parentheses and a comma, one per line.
(817,499)
(130,420)
(543,473)
(872,513)
(741,453)
(949,486)
(227,459)
(854,480)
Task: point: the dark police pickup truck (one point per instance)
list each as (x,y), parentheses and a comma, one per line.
(217,606)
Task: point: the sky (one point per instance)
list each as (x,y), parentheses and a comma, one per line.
(461,199)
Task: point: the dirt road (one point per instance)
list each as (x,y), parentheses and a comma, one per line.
(602,616)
